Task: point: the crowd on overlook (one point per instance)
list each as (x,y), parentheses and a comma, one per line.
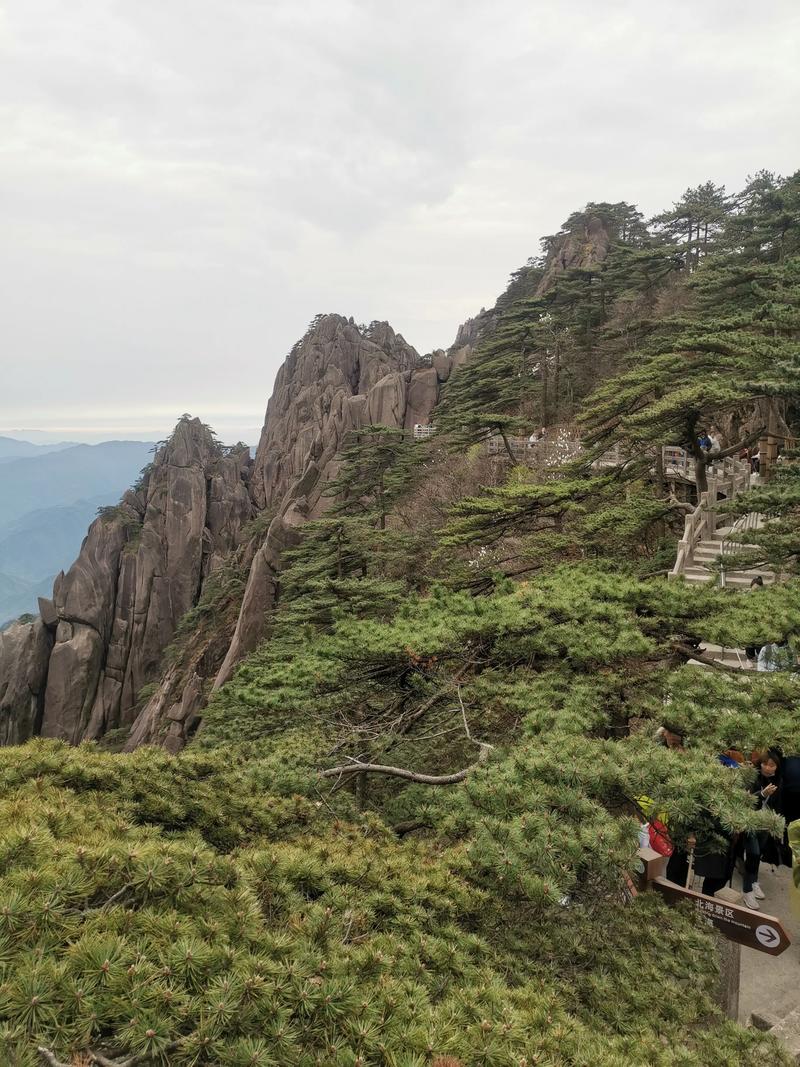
(713,854)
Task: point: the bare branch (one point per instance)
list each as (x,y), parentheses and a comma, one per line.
(484,745)
(680,505)
(428,704)
(49,1058)
(403,772)
(112,899)
(701,657)
(132,1061)
(733,449)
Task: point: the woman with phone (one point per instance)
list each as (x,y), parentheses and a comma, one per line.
(767,789)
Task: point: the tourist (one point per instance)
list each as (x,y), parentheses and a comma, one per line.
(716,855)
(714,441)
(777,656)
(671,736)
(714,859)
(767,790)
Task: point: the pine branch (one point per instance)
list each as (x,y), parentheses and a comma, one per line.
(732,450)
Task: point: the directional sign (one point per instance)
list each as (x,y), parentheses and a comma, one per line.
(752,928)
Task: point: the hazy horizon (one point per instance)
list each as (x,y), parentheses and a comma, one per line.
(230,433)
(184,187)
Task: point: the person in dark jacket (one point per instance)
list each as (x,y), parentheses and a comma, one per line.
(767,789)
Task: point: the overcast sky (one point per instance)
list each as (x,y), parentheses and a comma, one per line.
(184,184)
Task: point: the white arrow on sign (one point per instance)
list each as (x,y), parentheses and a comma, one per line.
(767,935)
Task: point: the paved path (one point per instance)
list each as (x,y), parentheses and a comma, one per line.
(770,985)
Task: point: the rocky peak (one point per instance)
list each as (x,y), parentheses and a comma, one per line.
(191,444)
(144,562)
(583,246)
(338,378)
(140,569)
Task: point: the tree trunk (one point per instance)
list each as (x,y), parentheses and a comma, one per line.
(544,389)
(507,447)
(382,523)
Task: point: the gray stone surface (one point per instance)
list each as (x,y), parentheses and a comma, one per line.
(770,985)
(24,657)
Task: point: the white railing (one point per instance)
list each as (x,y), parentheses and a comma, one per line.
(726,478)
(559,445)
(695,524)
(422,433)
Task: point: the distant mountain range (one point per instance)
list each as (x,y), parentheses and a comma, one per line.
(48,496)
(11,448)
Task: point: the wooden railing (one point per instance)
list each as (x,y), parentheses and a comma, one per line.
(676,460)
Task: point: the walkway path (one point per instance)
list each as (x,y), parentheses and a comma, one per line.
(769,984)
(768,989)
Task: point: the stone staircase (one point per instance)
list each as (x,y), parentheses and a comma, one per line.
(706,553)
(704,545)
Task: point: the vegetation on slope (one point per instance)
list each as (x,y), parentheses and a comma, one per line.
(293,889)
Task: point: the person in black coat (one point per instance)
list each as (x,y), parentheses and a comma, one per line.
(768,791)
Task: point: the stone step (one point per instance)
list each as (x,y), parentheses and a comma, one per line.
(705,556)
(786,1030)
(697,574)
(714,548)
(733,579)
(731,657)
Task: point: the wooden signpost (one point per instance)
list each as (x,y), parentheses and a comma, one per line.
(754,929)
(765,933)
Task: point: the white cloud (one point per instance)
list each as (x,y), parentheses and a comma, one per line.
(184,185)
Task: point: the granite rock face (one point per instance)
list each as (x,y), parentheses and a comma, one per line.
(338,378)
(143,565)
(582,249)
(140,568)
(24,654)
(335,379)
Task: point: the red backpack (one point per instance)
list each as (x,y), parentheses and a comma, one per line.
(660,841)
